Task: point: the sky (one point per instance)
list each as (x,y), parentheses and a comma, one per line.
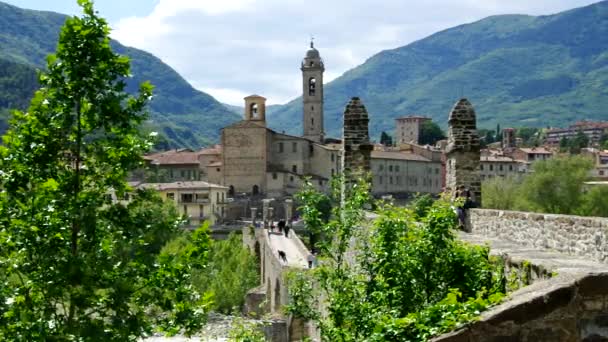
(234,48)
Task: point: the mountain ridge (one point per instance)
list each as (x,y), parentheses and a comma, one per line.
(185,116)
(518,70)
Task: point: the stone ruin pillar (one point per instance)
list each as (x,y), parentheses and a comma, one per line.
(463,150)
(288,211)
(265,212)
(254,212)
(356,147)
(271,215)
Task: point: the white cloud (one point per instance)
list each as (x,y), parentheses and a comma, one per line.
(232,48)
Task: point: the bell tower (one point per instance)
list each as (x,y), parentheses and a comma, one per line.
(312,96)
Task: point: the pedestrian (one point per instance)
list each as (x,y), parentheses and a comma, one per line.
(281,225)
(287,231)
(310,258)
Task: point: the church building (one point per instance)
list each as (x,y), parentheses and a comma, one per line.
(256,160)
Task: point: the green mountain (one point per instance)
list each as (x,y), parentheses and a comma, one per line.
(185,116)
(517,70)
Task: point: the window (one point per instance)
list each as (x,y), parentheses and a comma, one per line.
(254,111)
(436,171)
(481,167)
(201,211)
(491,167)
(274,175)
(396,168)
(332,157)
(380,180)
(183,174)
(223,197)
(217,196)
(320,182)
(218,169)
(187,198)
(294,147)
(390,180)
(291,179)
(332,172)
(510,167)
(500,167)
(170,195)
(390,168)
(202,197)
(294,168)
(601,172)
(380,167)
(280,147)
(312,86)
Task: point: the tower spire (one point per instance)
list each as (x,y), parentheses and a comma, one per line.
(312,42)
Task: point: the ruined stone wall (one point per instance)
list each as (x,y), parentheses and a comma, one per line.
(463,150)
(574,235)
(355,138)
(567,300)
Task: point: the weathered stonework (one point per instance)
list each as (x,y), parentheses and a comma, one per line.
(357,148)
(566,302)
(463,150)
(574,235)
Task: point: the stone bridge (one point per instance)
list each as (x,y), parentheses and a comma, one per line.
(270,298)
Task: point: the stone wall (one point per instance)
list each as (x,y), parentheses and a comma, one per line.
(567,300)
(574,235)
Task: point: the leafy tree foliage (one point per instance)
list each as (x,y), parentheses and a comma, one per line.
(74,266)
(232,271)
(529,135)
(430,133)
(386,139)
(604,141)
(315,211)
(556,186)
(574,145)
(406,280)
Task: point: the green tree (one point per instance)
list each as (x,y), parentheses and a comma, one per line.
(556,185)
(604,141)
(579,142)
(400,278)
(386,139)
(74,265)
(231,272)
(430,133)
(529,135)
(315,212)
(501,193)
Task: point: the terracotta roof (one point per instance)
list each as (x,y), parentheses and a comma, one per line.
(213,150)
(495,158)
(193,185)
(537,150)
(398,156)
(173,157)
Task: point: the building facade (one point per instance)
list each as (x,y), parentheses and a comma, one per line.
(408,129)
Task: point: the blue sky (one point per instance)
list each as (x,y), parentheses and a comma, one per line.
(233,48)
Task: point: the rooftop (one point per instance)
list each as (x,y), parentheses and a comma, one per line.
(398,156)
(190,185)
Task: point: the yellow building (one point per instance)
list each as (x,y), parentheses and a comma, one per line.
(199,201)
